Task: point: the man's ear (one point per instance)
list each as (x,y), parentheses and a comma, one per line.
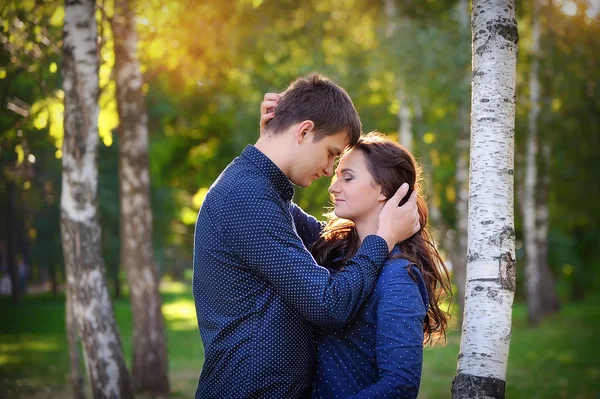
(302,130)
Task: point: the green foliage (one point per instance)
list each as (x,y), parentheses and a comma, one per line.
(207,65)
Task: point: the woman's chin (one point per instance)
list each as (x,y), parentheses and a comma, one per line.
(340,214)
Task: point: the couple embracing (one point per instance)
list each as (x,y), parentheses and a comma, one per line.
(292,307)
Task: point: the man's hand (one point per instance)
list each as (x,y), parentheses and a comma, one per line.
(396,224)
(267,108)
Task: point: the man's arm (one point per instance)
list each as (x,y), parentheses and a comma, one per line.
(307,226)
(261,233)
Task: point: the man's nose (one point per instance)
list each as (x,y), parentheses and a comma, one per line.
(328,171)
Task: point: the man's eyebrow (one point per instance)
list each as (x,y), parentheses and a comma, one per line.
(336,151)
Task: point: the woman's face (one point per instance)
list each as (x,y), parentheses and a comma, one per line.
(356,196)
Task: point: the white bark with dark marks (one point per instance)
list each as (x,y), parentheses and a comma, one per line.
(77,374)
(150,365)
(490,286)
(89,303)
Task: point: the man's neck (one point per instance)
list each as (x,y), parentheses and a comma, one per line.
(276,150)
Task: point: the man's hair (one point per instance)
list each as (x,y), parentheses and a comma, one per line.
(316,98)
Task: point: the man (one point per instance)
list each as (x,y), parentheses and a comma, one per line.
(258,291)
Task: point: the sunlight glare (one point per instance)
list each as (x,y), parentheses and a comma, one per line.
(569,8)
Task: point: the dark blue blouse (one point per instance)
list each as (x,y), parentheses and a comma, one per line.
(379,354)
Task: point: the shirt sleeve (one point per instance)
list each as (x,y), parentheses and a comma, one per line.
(399,335)
(307,226)
(261,233)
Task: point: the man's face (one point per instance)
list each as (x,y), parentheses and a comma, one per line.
(315,159)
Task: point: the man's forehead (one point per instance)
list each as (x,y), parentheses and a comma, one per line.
(339,142)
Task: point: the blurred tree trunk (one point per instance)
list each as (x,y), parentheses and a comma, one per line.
(532,265)
(11,261)
(405,134)
(541,291)
(550,301)
(77,377)
(459,258)
(404,117)
(490,284)
(53,282)
(89,302)
(150,362)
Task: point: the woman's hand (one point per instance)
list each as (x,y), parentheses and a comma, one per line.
(267,108)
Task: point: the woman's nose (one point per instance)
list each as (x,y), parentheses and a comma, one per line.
(333,188)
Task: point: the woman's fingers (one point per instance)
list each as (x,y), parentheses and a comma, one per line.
(264,119)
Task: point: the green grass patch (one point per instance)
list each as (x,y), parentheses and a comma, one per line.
(558,359)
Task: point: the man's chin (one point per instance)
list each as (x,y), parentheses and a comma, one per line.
(304,183)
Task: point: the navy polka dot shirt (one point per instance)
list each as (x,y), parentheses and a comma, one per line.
(379,354)
(258,291)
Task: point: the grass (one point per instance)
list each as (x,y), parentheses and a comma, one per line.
(558,359)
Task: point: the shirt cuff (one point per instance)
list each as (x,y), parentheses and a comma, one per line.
(375,247)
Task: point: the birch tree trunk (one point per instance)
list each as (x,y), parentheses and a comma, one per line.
(459,263)
(89,303)
(490,287)
(150,367)
(77,376)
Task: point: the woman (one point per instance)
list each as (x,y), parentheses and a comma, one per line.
(379,353)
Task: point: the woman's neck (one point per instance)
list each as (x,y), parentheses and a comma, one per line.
(367,226)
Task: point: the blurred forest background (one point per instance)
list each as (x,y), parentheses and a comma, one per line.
(206,65)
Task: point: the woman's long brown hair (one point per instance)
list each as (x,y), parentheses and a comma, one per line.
(390,165)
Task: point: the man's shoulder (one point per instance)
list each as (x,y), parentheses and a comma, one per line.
(238,177)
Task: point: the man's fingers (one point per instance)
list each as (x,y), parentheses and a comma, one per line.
(412,200)
(400,194)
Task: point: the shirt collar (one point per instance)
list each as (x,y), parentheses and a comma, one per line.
(282,184)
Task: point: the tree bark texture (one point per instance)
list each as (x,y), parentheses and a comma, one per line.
(490,286)
(150,361)
(89,303)
(77,375)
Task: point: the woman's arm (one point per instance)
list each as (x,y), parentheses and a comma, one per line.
(399,346)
